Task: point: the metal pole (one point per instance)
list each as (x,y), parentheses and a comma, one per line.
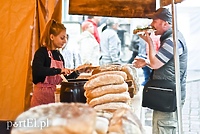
(177,68)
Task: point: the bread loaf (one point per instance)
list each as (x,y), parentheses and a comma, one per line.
(103,80)
(112,106)
(60,118)
(118,97)
(107,89)
(101,125)
(106,68)
(121,73)
(124,121)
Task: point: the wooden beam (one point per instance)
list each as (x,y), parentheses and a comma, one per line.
(167,2)
(114,8)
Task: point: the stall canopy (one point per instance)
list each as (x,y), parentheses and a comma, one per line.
(22,22)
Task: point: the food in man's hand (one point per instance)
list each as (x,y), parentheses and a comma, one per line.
(149,29)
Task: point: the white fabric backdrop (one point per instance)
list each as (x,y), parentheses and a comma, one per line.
(188,19)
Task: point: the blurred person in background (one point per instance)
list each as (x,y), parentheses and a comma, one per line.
(88,47)
(71,57)
(110,44)
(134,47)
(95,21)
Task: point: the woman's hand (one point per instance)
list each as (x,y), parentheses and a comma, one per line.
(66,71)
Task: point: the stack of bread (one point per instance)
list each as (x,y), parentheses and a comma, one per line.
(107,90)
(131,72)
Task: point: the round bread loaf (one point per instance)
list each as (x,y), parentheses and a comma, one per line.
(118,97)
(105,68)
(124,121)
(56,118)
(107,89)
(112,106)
(102,80)
(121,73)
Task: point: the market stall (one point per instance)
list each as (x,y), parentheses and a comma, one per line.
(95,103)
(28,18)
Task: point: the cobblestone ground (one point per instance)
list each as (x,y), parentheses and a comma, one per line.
(190,111)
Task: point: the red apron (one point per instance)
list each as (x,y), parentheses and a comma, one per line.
(43,93)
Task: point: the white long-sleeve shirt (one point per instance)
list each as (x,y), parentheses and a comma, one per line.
(88,48)
(110,46)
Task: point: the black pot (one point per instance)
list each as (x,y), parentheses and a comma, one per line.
(73,91)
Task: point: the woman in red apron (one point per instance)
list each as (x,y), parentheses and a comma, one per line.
(48,64)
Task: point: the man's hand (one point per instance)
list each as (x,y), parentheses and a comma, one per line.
(146,37)
(139,62)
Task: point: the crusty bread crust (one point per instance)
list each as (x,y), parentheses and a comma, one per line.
(102,80)
(124,121)
(121,73)
(107,89)
(118,97)
(112,106)
(61,117)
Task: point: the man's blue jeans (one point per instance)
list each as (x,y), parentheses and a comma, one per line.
(147,72)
